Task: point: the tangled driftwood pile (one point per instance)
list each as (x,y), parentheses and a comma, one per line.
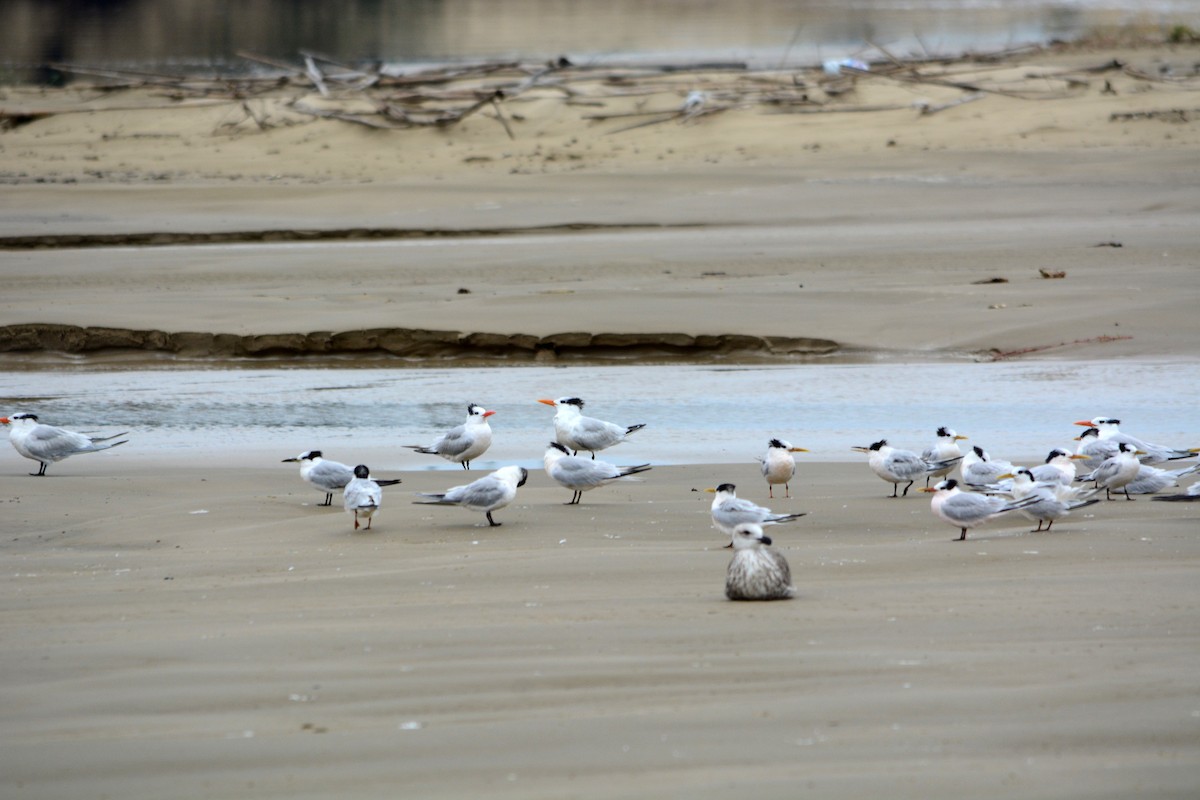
(632,96)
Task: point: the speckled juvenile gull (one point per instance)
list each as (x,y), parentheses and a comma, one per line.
(756,572)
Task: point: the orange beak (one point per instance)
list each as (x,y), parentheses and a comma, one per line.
(3,420)
(548,402)
(929,489)
(1087,423)
(797,449)
(487,414)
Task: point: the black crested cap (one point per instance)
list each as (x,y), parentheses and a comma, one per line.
(1025,471)
(1124,448)
(726,487)
(558,446)
(313,454)
(572,401)
(943,431)
(1055,453)
(776,443)
(472,406)
(524,477)
(882,443)
(949,483)
(361,471)
(1112,421)
(979,452)
(33,417)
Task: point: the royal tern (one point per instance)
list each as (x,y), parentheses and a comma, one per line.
(778,466)
(944,447)
(490,493)
(1152,479)
(965,510)
(583,474)
(756,572)
(1191,495)
(463,443)
(1053,499)
(47,444)
(979,470)
(577,432)
(1154,453)
(327,476)
(729,511)
(362,496)
(1116,472)
(898,466)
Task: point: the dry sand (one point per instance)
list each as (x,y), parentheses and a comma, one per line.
(175,631)
(263,648)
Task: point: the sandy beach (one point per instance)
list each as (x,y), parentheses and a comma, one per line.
(173,629)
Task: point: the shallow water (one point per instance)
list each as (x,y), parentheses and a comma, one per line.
(694,414)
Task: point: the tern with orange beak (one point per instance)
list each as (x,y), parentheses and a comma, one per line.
(1110,431)
(576,432)
(47,444)
(463,443)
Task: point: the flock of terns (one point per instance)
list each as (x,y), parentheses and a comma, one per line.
(1112,461)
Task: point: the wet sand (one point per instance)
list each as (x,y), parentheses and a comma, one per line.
(264,647)
(174,629)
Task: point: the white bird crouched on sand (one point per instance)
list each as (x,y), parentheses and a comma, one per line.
(965,510)
(1152,479)
(778,466)
(490,493)
(900,466)
(464,443)
(325,475)
(729,511)
(979,470)
(47,444)
(583,474)
(362,496)
(576,432)
(1053,500)
(1192,495)
(756,572)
